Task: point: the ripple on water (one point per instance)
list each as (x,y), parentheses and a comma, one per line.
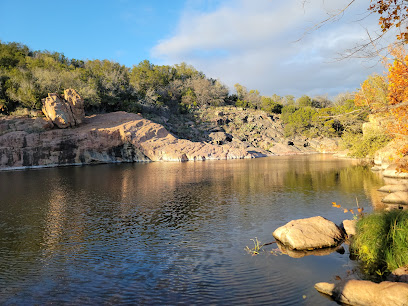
(168,233)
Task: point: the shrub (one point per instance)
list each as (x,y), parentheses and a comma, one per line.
(382,241)
(270,106)
(361,145)
(297,120)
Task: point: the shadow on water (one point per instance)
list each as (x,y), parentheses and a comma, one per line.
(170,232)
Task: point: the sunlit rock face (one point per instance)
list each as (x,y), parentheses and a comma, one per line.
(350,227)
(394,188)
(361,292)
(310,233)
(107,138)
(393,171)
(66,111)
(398,197)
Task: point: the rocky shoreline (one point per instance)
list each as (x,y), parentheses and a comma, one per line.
(115,138)
(66,137)
(103,138)
(319,236)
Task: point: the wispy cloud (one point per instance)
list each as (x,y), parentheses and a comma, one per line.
(254,43)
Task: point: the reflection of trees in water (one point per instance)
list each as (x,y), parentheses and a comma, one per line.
(348,179)
(66,204)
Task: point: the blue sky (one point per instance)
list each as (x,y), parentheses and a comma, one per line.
(251,42)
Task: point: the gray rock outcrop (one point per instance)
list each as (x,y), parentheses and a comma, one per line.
(310,233)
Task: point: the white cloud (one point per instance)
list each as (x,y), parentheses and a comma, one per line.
(253,43)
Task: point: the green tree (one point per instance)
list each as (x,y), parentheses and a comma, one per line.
(270,106)
(304,101)
(297,120)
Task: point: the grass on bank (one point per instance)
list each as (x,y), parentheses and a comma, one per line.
(382,241)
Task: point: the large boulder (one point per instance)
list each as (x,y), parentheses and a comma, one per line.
(310,233)
(360,292)
(76,103)
(64,111)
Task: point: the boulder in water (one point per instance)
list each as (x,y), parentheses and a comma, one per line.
(310,233)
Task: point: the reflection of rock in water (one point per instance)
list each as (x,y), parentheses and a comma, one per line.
(317,252)
(376,199)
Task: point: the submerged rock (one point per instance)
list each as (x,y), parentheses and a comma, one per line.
(360,292)
(311,233)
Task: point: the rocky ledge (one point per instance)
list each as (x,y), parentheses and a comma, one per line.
(103,138)
(360,292)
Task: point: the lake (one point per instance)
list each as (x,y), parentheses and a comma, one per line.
(172,233)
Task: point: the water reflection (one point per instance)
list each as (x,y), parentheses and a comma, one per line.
(169,232)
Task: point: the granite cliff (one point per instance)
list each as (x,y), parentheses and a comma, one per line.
(103,138)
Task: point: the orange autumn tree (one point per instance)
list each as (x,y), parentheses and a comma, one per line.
(373,93)
(388,96)
(398,96)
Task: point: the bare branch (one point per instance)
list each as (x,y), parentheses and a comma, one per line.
(331,17)
(358,111)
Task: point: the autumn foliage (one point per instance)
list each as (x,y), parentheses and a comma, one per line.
(398,95)
(388,96)
(393,13)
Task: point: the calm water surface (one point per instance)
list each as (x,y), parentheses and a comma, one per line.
(170,233)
